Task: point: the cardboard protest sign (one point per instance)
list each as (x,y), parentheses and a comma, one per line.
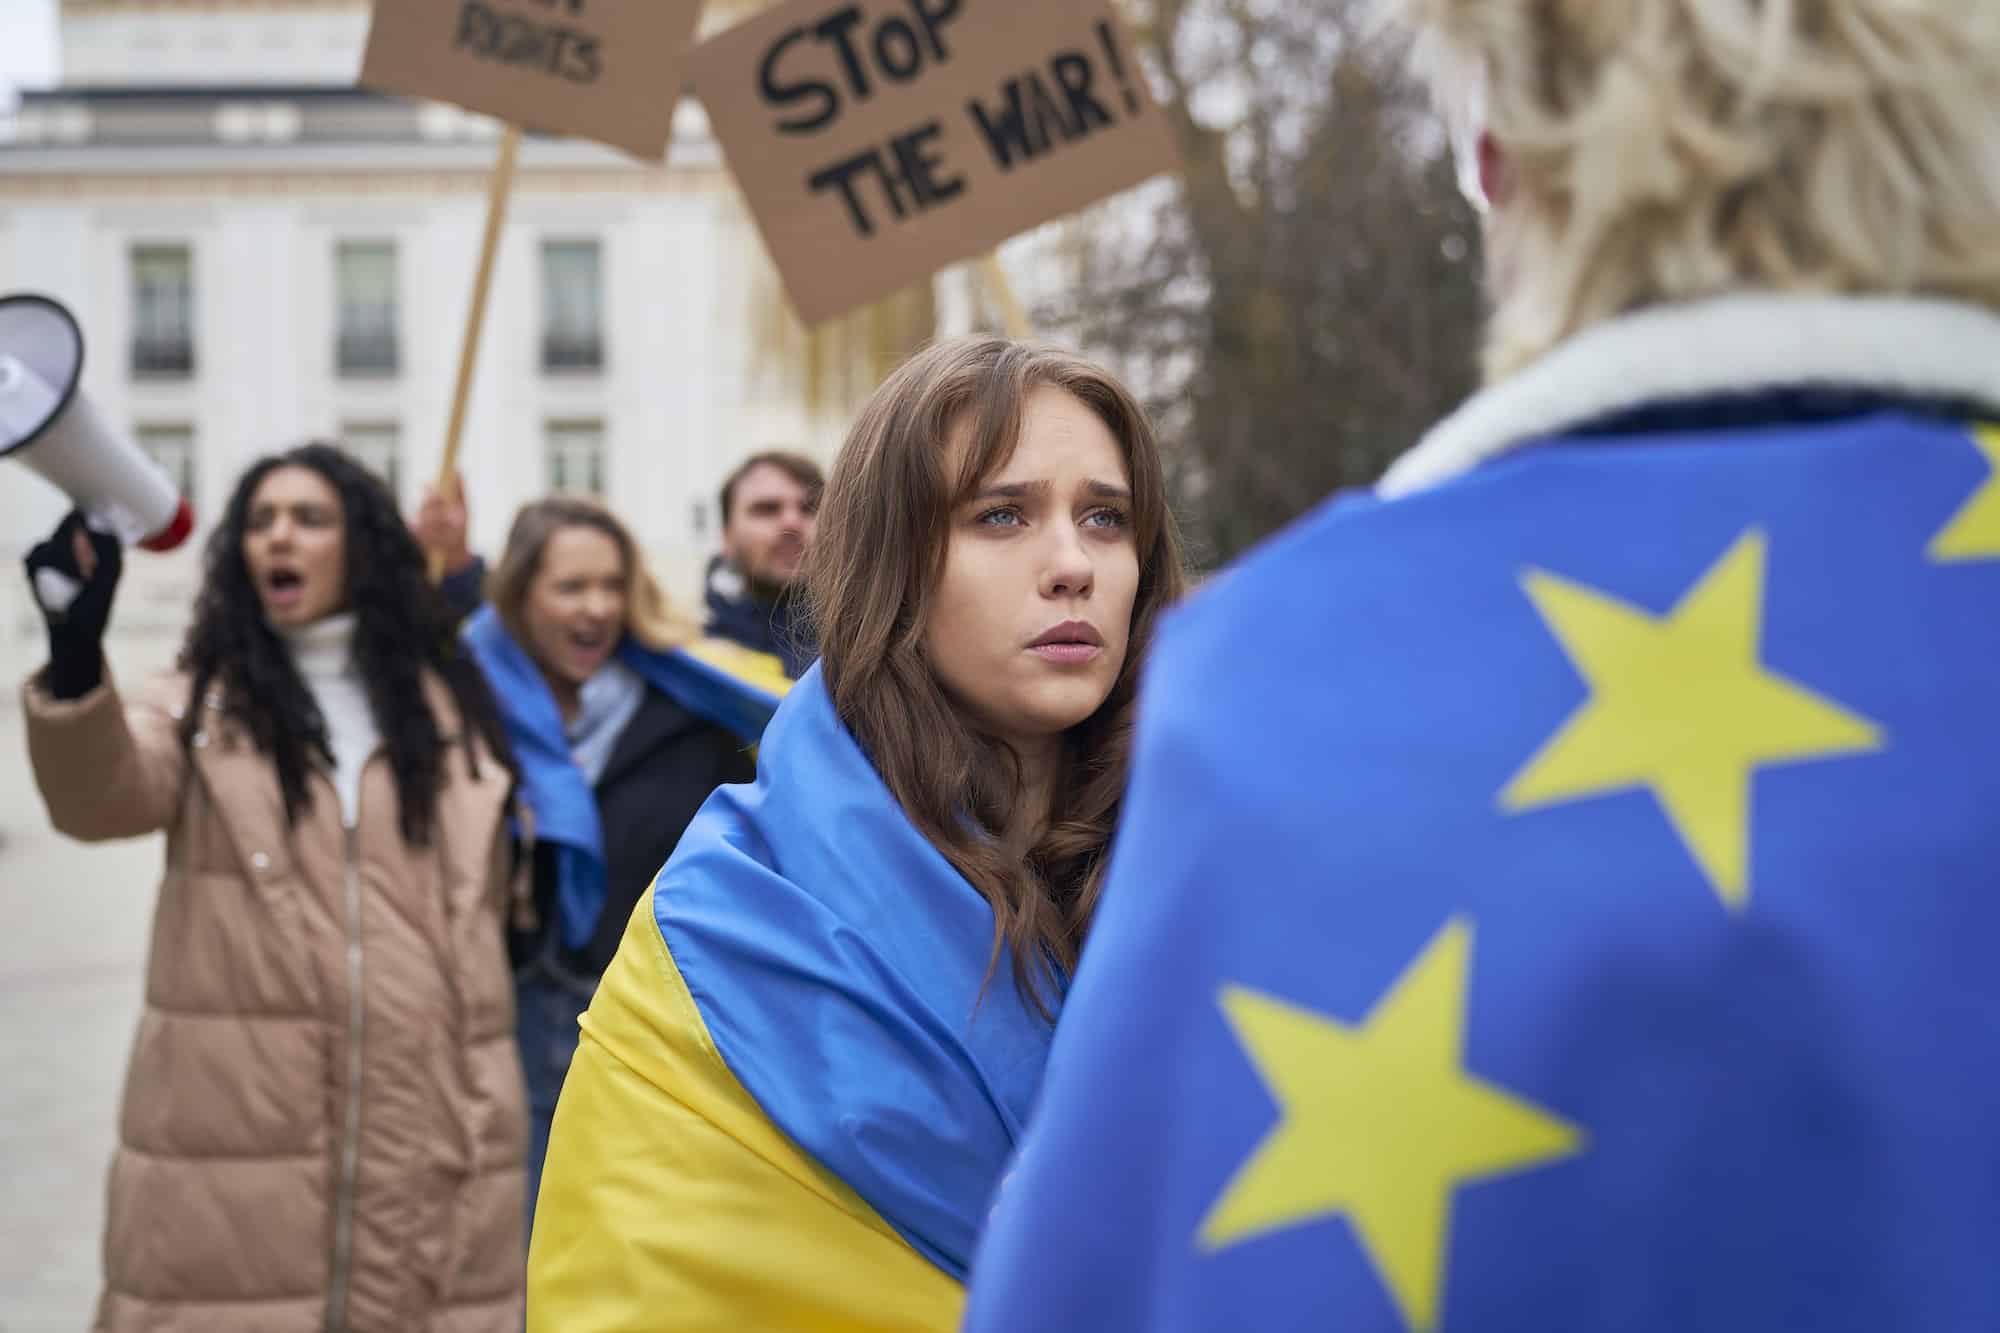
(878,141)
(608,70)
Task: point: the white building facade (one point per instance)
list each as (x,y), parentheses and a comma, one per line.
(261,253)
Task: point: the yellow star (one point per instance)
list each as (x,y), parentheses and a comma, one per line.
(1679,703)
(1974,531)
(1380,1123)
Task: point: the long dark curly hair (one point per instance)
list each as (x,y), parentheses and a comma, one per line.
(402,632)
(874,568)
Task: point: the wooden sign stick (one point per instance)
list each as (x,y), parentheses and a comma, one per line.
(498,190)
(1001,289)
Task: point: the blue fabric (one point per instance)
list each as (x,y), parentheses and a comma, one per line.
(837,962)
(555,789)
(1785,1110)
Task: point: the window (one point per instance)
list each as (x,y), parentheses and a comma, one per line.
(572,306)
(576,457)
(365,279)
(162,311)
(172,447)
(377,446)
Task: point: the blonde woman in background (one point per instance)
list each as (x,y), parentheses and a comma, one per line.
(620,735)
(811,1060)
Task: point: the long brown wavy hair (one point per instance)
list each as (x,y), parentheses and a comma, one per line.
(883,528)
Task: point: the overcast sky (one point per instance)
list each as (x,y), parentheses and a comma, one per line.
(27,45)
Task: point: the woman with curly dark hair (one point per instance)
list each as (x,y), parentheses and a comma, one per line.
(806,1069)
(324,1119)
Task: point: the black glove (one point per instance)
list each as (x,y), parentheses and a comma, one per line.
(76,606)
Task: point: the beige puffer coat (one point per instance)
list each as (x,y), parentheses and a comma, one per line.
(324,1121)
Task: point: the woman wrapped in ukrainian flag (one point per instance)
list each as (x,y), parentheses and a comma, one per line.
(809,1063)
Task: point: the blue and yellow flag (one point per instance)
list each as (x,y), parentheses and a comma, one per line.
(1563,899)
(733,687)
(794,1095)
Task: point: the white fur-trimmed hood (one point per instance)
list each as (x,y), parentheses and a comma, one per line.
(1898,346)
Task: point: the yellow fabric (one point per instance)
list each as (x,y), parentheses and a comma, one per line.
(1382,1124)
(670,1203)
(766,671)
(1683,704)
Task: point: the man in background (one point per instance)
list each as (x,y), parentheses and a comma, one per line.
(768,505)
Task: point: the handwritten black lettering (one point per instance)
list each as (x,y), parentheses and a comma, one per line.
(786,94)
(891,34)
(1027,120)
(1109,41)
(920,167)
(1047,120)
(838,28)
(473,21)
(587,66)
(891,49)
(511,39)
(841,176)
(910,177)
(525,44)
(1004,127)
(1073,71)
(934,16)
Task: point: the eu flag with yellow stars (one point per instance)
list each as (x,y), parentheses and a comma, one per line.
(1564,898)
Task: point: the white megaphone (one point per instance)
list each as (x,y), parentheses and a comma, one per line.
(47,422)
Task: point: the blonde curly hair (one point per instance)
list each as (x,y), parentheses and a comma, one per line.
(1667,150)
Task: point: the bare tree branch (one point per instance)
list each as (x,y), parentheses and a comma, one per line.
(1303,302)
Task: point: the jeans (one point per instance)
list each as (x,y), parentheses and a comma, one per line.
(548,1000)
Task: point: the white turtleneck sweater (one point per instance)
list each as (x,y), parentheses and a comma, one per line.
(323,652)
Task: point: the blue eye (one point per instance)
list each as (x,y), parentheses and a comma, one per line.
(1006,516)
(1107,518)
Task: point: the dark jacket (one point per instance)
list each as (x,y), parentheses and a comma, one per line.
(464,591)
(664,766)
(780,628)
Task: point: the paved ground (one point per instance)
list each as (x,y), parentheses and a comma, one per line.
(73,928)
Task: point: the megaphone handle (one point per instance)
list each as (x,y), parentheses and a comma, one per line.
(497,192)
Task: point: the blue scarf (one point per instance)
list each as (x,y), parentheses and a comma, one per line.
(838,962)
(554,787)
